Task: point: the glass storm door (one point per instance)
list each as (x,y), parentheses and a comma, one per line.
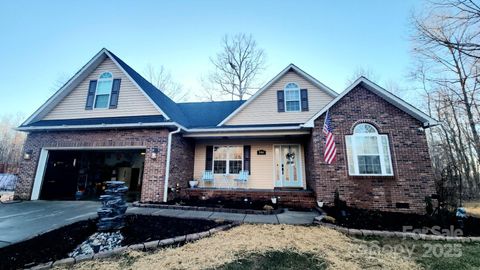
(288,168)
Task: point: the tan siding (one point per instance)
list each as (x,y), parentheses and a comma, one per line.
(262,171)
(263,109)
(131,102)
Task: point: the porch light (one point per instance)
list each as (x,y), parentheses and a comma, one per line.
(154,153)
(27,155)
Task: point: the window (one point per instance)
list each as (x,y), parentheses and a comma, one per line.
(103,91)
(292,97)
(227,159)
(368,152)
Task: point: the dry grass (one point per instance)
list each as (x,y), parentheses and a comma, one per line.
(473,208)
(340,251)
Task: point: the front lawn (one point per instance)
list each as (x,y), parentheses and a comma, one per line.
(261,247)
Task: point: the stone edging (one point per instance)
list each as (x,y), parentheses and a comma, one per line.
(151,245)
(212,209)
(414,236)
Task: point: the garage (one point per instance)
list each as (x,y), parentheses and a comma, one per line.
(82,174)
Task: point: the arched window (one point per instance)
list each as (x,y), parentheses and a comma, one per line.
(292,97)
(104,90)
(368,152)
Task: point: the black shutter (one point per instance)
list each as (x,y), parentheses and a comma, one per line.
(91,94)
(115,93)
(209,158)
(280,101)
(246,158)
(304,98)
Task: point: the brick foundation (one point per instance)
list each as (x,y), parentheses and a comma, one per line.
(286,198)
(154,169)
(413,173)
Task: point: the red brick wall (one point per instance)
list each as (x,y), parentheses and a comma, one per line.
(154,170)
(181,162)
(286,198)
(413,173)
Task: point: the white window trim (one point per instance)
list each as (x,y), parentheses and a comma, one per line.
(109,95)
(299,96)
(380,153)
(227,167)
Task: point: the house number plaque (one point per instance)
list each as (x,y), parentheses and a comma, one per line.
(261,152)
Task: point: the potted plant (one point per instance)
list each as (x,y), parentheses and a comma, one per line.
(193,183)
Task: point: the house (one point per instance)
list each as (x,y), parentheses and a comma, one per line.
(108,122)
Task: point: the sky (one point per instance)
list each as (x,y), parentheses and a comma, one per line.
(42,42)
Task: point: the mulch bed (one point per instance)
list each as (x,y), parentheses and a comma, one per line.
(56,244)
(390,221)
(220,202)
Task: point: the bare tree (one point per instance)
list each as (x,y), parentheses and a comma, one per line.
(363,72)
(446,50)
(236,67)
(11,141)
(162,79)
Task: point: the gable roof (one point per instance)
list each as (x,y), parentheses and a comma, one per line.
(208,114)
(167,107)
(290,67)
(389,97)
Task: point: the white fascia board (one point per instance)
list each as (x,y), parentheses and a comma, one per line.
(314,81)
(67,87)
(100,126)
(195,130)
(426,120)
(138,86)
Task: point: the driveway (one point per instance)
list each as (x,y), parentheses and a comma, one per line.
(20,221)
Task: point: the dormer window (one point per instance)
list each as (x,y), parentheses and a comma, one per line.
(103,91)
(292,97)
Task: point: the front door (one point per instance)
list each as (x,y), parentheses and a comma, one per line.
(288,166)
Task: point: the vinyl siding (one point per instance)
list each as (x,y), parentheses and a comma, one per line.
(263,109)
(131,101)
(262,166)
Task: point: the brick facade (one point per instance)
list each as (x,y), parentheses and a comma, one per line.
(154,169)
(413,173)
(285,198)
(181,162)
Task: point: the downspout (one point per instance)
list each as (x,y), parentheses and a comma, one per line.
(167,166)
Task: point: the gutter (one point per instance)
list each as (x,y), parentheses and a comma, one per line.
(100,126)
(167,166)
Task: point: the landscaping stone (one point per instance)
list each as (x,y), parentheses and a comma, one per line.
(137,246)
(151,244)
(354,232)
(166,242)
(82,258)
(179,239)
(98,242)
(192,237)
(64,262)
(204,234)
(42,266)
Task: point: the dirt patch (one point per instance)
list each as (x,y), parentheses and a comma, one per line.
(338,250)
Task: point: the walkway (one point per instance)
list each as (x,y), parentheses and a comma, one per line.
(21,221)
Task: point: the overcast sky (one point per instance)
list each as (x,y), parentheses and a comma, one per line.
(42,42)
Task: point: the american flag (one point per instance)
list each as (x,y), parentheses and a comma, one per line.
(330,148)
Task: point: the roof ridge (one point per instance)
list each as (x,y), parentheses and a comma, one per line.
(161,99)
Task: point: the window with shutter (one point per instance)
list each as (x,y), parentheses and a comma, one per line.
(91,94)
(304,97)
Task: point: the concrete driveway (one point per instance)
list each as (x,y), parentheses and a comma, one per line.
(20,221)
